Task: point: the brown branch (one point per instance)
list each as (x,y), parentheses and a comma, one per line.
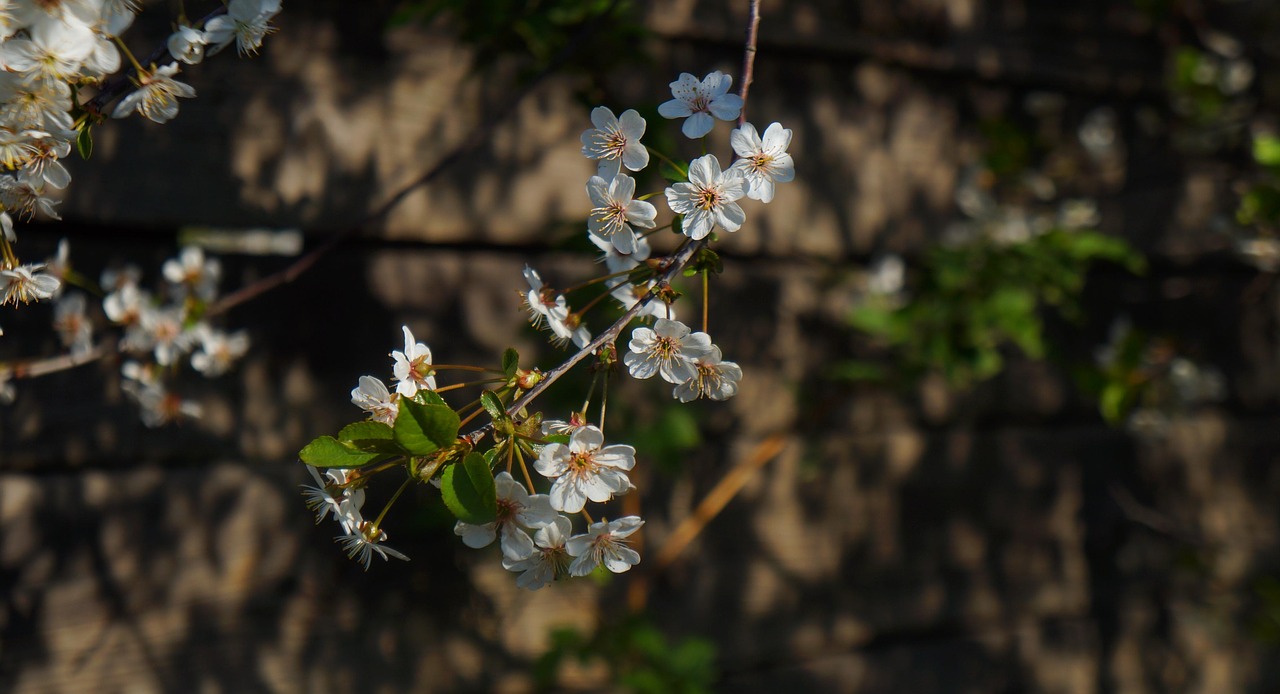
(710,507)
(478,136)
(749,58)
(126,81)
(45,366)
(674,265)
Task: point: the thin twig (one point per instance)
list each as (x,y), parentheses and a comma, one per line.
(48,365)
(674,265)
(749,57)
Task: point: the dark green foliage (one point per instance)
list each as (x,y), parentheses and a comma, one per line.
(975,299)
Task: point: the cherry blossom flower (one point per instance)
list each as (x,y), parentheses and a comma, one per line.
(715,379)
(246,22)
(187,45)
(553,312)
(330,497)
(604,543)
(156,96)
(53,51)
(615,142)
(366,540)
(697,101)
(24,195)
(707,200)
(72,325)
(218,350)
(614,212)
(517,508)
(667,349)
(585,469)
(619,262)
(373,397)
(27,283)
(763,162)
(193,274)
(548,558)
(166,333)
(413,367)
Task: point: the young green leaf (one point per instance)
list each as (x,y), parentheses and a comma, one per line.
(423,429)
(84,141)
(370,437)
(510,362)
(469,492)
(327,451)
(493,405)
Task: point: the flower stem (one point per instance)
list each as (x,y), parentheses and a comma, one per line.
(528,480)
(456,386)
(705,294)
(604,400)
(378,523)
(142,72)
(463,367)
(683,171)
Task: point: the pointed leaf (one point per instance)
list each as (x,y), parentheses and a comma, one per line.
(493,405)
(84,141)
(327,451)
(510,362)
(469,492)
(429,397)
(423,429)
(370,437)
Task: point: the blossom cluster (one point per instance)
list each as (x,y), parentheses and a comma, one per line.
(52,54)
(564,466)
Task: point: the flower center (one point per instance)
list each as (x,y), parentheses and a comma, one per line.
(761,162)
(707,198)
(665,347)
(614,143)
(611,216)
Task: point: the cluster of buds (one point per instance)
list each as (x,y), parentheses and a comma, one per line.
(522,480)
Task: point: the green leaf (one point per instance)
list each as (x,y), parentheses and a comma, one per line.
(327,451)
(370,437)
(468,490)
(422,429)
(84,141)
(493,405)
(510,362)
(429,397)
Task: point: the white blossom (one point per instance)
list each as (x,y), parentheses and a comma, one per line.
(714,378)
(585,469)
(187,45)
(246,22)
(72,325)
(366,540)
(667,349)
(697,101)
(156,96)
(517,509)
(763,162)
(412,367)
(218,350)
(193,274)
(604,544)
(614,213)
(27,283)
(708,199)
(373,397)
(547,560)
(615,142)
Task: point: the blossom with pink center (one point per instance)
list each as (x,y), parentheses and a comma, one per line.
(763,162)
(604,543)
(709,198)
(615,141)
(547,559)
(373,397)
(585,469)
(412,367)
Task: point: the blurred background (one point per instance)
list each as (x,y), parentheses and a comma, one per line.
(1012,369)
